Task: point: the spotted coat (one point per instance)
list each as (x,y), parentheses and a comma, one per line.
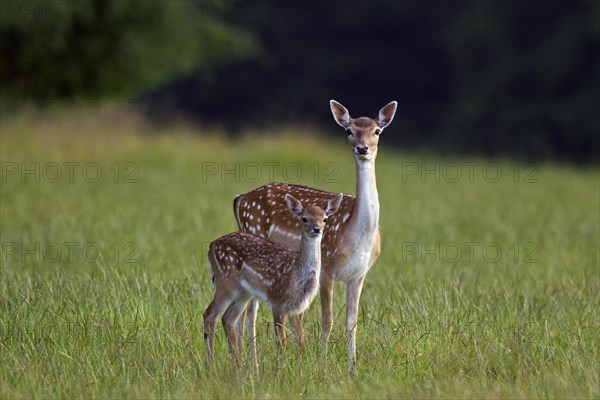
(262,212)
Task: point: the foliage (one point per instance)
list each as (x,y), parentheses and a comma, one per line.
(486,77)
(478,77)
(57,51)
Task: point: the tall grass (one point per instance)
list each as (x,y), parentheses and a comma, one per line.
(104,283)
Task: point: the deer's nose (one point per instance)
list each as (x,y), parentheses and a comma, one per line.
(362,149)
(316,229)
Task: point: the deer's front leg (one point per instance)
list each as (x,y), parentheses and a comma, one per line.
(353,290)
(252,310)
(278,322)
(326,294)
(297,321)
(240,328)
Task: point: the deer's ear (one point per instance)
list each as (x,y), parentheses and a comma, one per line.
(340,114)
(334,204)
(293,204)
(386,114)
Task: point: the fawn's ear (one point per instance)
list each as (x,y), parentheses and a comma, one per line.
(334,204)
(293,204)
(340,114)
(386,114)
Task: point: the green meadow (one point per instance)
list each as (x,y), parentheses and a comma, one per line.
(488,284)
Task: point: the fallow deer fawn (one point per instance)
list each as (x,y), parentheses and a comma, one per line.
(246,267)
(351,243)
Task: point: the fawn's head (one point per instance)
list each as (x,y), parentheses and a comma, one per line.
(363,133)
(313,218)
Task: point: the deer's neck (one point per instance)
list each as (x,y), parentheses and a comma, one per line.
(309,260)
(364,221)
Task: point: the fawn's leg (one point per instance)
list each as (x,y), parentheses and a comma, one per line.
(251,313)
(217,306)
(240,329)
(326,293)
(230,319)
(297,321)
(278,322)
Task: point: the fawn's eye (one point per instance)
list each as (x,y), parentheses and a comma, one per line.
(304,219)
(349,132)
(325,219)
(377,132)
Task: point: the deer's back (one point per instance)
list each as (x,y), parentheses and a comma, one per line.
(261,266)
(263,212)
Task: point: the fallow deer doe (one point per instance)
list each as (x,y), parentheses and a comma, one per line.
(245,266)
(351,243)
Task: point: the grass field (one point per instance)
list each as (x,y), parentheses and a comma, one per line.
(487,285)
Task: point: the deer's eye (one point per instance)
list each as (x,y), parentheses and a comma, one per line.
(377,132)
(325,219)
(304,219)
(349,132)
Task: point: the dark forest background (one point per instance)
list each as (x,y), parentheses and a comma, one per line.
(492,77)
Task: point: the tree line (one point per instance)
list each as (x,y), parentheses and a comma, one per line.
(490,77)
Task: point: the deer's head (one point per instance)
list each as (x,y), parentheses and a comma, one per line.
(363,133)
(313,218)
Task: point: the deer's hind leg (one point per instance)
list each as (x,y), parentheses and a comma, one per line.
(231,322)
(221,300)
